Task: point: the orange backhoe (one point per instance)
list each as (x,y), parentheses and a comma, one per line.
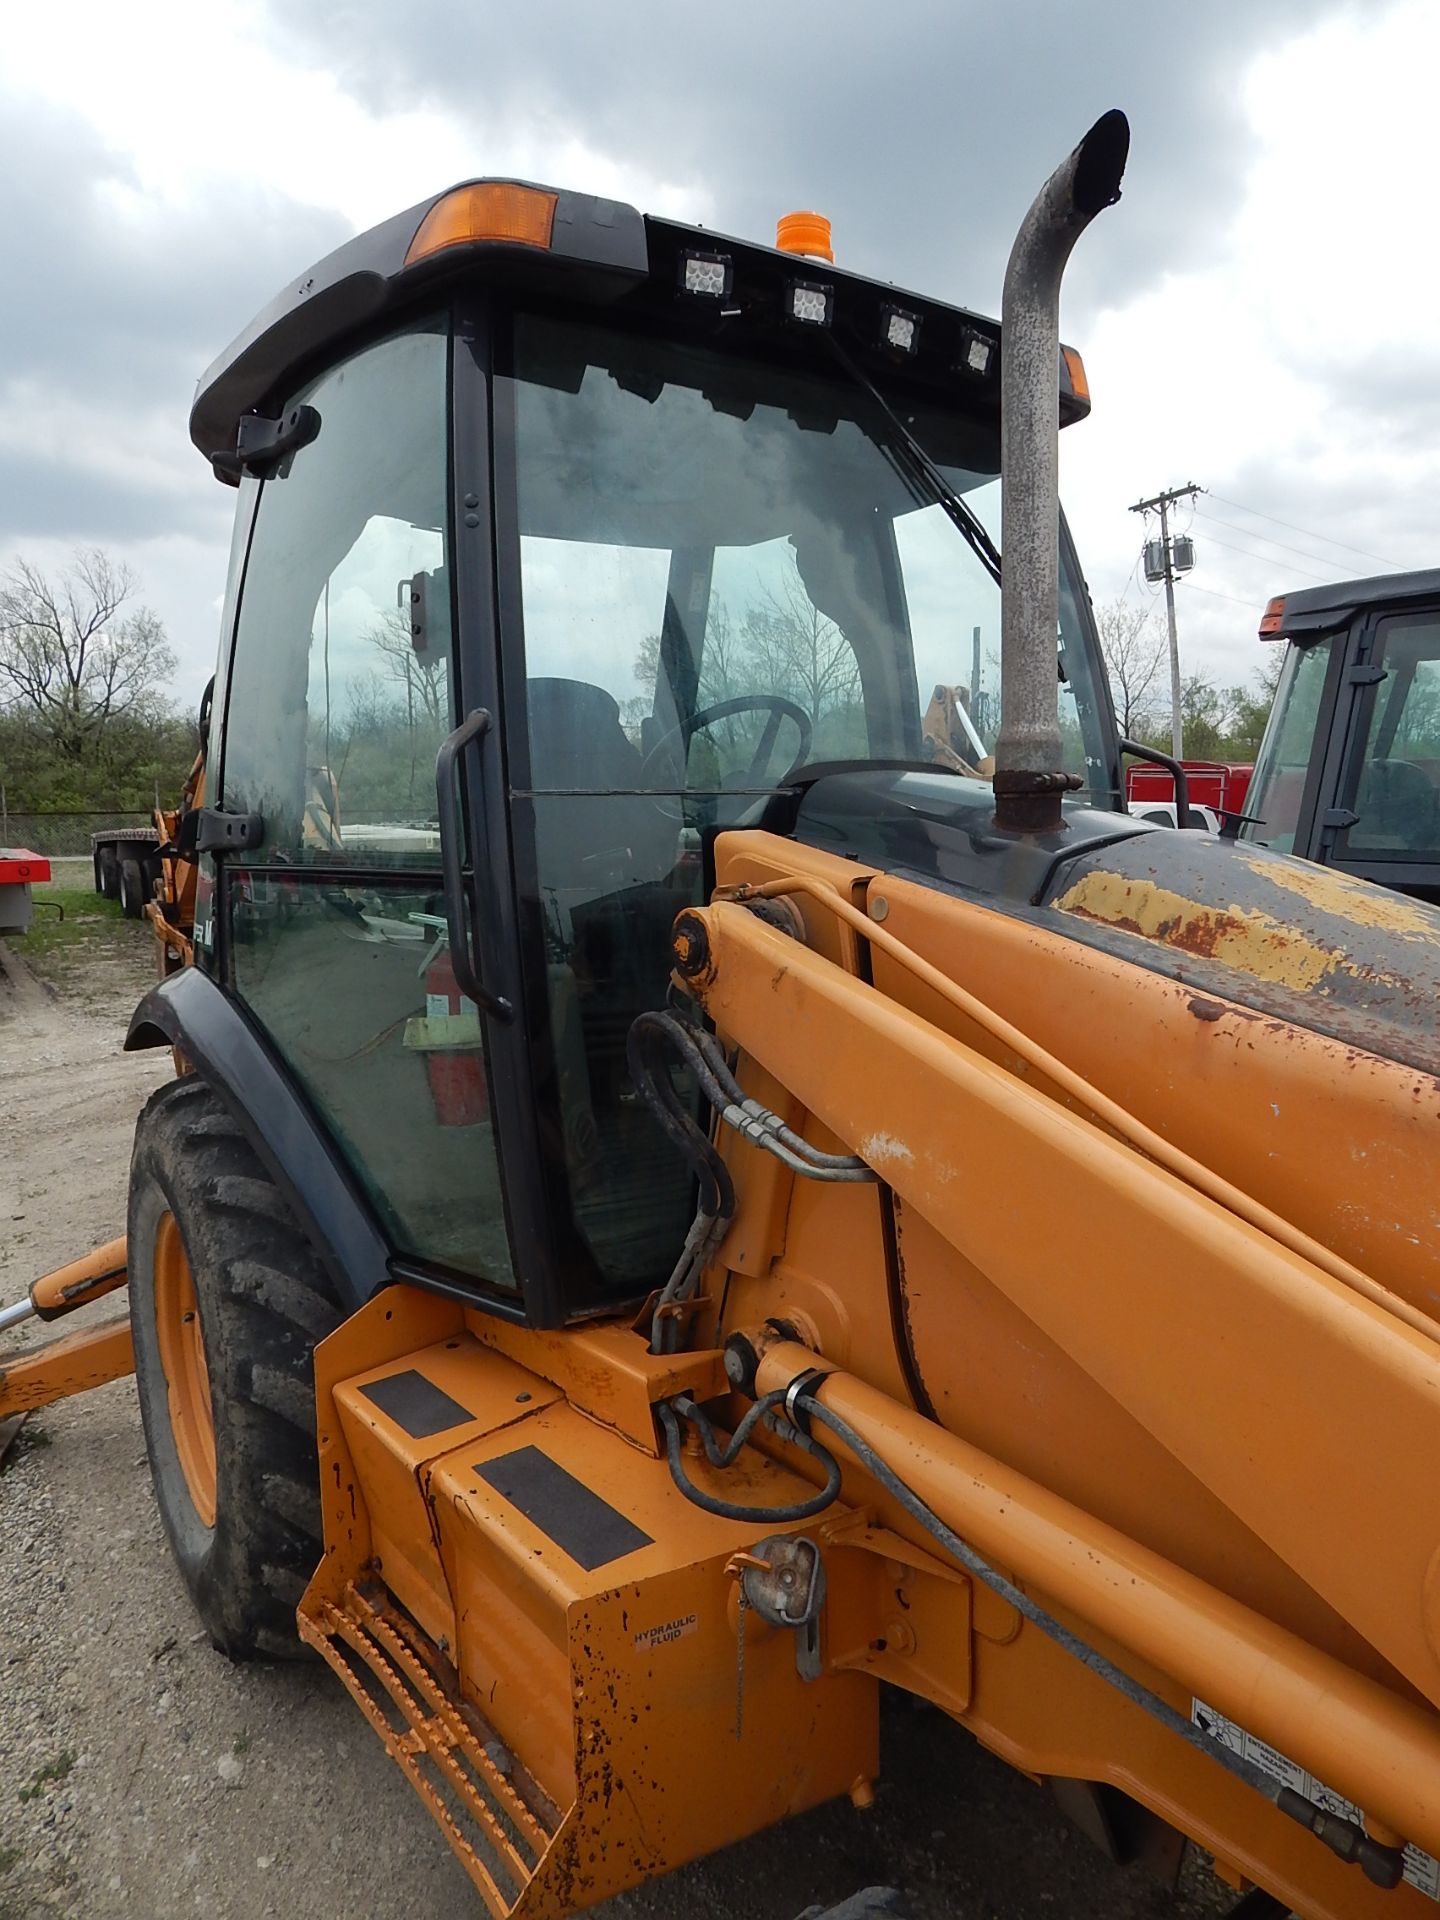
(691,1193)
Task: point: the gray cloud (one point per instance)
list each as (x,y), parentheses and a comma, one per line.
(922,126)
(112,308)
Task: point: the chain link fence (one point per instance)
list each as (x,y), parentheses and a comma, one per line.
(59,835)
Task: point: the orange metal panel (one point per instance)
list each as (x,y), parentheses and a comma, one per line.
(606,1372)
(607,1675)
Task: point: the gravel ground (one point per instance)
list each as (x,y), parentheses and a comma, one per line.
(143,1775)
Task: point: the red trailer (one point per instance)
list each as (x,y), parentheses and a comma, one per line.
(1219,786)
(19,870)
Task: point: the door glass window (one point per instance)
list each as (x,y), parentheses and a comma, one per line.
(353,986)
(340,692)
(341,687)
(1397,794)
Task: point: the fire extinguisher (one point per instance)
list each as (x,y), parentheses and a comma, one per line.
(451,1041)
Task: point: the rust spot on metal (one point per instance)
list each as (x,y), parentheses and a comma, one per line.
(1347,897)
(1205,1009)
(1245,938)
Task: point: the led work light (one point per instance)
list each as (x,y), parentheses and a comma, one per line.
(710,276)
(899,330)
(977,352)
(808,302)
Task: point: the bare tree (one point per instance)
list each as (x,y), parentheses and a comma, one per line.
(424,676)
(791,648)
(1134,653)
(70,655)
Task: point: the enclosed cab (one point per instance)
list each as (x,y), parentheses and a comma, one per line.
(641,529)
(1349,769)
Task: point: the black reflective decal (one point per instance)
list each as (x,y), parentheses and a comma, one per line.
(579,1522)
(416,1404)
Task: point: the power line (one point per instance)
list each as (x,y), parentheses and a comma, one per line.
(1194,586)
(1275,520)
(1264,538)
(1263,559)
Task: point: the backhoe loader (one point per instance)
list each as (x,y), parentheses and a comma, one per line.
(680,1205)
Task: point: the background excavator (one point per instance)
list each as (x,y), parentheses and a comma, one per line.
(678,1205)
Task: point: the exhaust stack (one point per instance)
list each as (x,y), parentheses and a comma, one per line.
(1028,784)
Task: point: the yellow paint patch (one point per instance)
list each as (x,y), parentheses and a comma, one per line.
(1238,937)
(1349,898)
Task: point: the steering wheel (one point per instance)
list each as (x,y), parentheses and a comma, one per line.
(771,703)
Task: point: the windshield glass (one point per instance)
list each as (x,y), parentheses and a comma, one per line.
(727,572)
(1278,788)
(700,533)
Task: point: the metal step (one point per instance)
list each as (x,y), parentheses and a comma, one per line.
(497,1820)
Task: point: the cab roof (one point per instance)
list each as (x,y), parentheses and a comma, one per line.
(1316,610)
(600,252)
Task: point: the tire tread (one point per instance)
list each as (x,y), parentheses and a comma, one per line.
(265,1300)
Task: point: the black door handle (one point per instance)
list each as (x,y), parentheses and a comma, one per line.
(454,847)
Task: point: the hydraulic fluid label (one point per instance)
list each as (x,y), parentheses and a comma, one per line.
(667,1632)
(1421,1870)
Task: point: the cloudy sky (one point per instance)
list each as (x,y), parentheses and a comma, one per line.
(1258,315)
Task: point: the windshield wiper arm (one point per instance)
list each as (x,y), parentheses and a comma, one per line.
(964,517)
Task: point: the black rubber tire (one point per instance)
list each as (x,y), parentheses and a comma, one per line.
(132,888)
(264,1301)
(107,863)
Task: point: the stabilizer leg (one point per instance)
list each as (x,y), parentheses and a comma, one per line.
(76,1361)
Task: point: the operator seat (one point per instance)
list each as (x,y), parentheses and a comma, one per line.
(579,748)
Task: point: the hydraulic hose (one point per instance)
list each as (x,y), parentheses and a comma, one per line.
(1383,1865)
(671,1412)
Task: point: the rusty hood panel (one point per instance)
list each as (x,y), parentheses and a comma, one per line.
(1299,941)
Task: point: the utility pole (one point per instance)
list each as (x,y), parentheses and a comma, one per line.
(975,676)
(1164,501)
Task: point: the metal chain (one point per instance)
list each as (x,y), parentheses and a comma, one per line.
(740,1665)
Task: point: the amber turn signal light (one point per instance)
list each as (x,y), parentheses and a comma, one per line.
(1075,367)
(1273,618)
(490,210)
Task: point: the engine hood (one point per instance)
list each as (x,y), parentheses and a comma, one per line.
(1283,937)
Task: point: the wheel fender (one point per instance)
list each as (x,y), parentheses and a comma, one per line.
(189,1011)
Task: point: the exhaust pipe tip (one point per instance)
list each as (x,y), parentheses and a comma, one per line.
(1100,164)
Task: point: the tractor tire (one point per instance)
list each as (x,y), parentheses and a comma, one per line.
(227,1302)
(132,889)
(107,872)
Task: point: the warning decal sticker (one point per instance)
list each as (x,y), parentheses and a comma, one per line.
(1421,1870)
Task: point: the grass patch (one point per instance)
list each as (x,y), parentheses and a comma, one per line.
(56,1769)
(9,1857)
(242,1741)
(89,921)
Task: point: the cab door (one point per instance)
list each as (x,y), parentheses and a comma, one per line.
(343,684)
(1386,822)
